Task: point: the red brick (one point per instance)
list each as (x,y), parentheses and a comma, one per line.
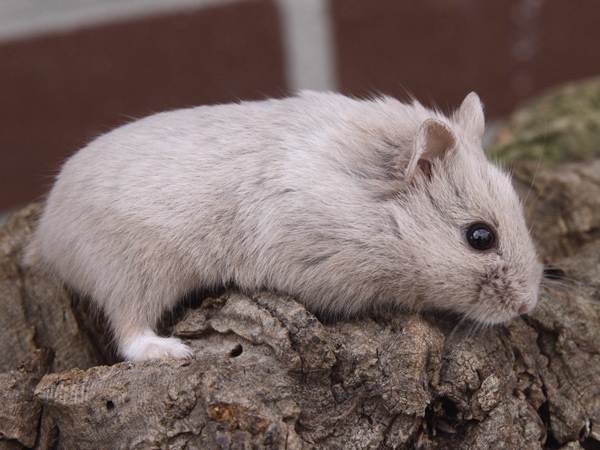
(59,91)
(442,50)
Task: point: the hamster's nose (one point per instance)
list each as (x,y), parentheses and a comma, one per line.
(525,307)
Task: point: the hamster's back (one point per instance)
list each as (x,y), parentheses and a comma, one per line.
(220,172)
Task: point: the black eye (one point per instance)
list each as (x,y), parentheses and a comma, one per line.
(481,236)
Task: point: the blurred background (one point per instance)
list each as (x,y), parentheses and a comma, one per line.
(73,69)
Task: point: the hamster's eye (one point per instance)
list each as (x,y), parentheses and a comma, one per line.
(480,236)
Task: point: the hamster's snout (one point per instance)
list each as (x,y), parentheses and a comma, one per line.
(525,308)
(511,295)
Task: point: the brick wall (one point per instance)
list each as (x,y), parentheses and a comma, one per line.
(63,87)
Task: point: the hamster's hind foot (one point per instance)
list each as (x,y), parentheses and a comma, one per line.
(147,345)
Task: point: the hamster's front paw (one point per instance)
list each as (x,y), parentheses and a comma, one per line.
(148,345)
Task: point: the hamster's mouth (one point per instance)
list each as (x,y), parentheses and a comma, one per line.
(501,300)
(496,306)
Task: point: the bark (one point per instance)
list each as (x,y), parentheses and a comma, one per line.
(20,412)
(35,310)
(562,205)
(268,374)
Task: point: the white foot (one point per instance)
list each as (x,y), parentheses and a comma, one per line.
(148,345)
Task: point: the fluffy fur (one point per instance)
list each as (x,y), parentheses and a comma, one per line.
(344,204)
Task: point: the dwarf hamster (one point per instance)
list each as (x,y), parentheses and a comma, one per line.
(344,204)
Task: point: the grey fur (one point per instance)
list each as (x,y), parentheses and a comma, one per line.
(344,204)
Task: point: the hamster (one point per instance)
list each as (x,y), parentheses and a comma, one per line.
(344,204)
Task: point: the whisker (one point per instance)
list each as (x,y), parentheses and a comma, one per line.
(482,328)
(555,283)
(543,188)
(534,176)
(555,278)
(536,172)
(457,328)
(531,226)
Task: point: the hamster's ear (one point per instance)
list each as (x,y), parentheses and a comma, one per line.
(434,140)
(470,116)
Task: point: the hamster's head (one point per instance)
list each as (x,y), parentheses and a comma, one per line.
(470,246)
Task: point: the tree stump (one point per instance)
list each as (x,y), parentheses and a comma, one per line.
(269,374)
